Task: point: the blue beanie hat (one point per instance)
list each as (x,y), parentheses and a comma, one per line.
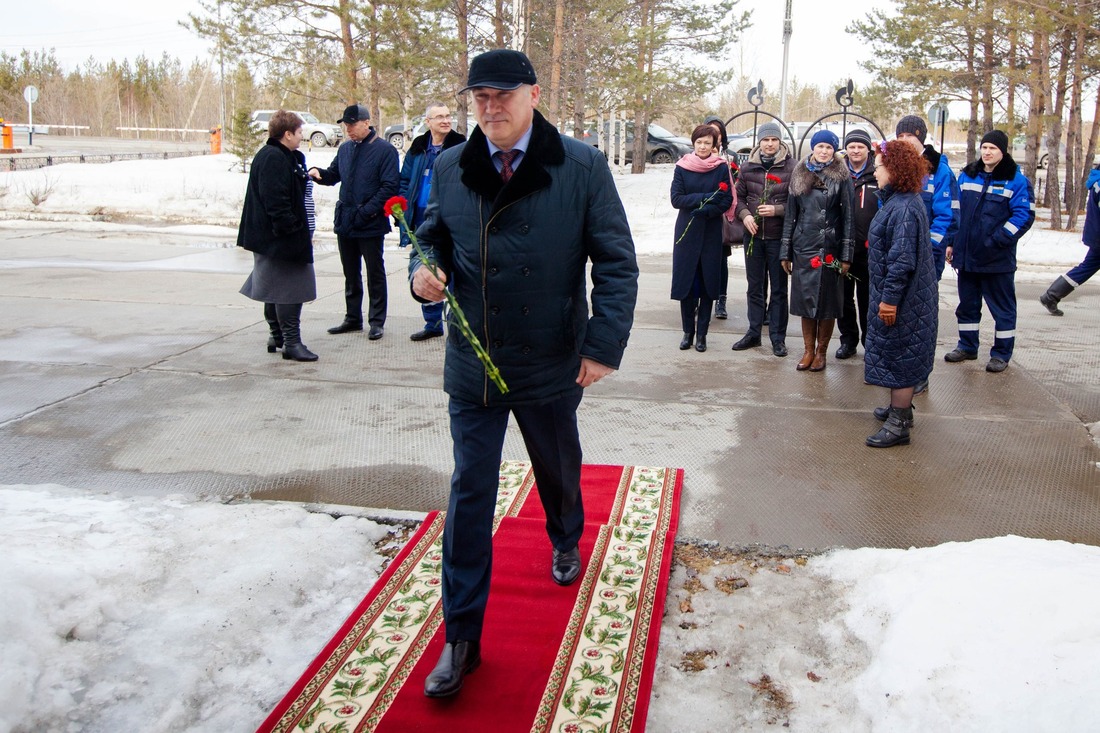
(825,136)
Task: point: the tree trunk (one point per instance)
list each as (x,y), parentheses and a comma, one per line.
(351,64)
(1054,138)
(462,30)
(975,91)
(641,115)
(987,68)
(1073,127)
(1037,91)
(555,63)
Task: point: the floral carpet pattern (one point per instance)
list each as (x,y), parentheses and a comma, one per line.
(599,674)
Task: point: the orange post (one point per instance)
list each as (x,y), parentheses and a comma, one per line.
(7,137)
(216,140)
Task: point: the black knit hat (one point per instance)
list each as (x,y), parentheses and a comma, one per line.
(913,125)
(858,136)
(998,138)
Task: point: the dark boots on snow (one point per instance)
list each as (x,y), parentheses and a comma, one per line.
(1058,289)
(895,431)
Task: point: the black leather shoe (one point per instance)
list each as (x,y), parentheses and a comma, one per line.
(845,351)
(701,344)
(779,348)
(375,333)
(566,566)
(746,342)
(957,355)
(685,342)
(347,327)
(458,659)
(424,335)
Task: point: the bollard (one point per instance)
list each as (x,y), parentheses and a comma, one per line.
(216,140)
(7,136)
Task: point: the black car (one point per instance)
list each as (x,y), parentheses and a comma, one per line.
(662,147)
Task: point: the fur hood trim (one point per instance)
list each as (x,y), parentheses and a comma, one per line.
(803,181)
(1005,170)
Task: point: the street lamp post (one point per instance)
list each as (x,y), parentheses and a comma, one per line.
(787,29)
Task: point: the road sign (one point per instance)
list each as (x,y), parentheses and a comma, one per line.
(30,94)
(937,114)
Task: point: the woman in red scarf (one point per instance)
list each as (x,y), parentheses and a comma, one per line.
(701,191)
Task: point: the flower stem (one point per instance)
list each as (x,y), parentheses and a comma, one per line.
(463,325)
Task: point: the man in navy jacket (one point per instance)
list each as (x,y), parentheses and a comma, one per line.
(941,190)
(366,168)
(995,210)
(1065,284)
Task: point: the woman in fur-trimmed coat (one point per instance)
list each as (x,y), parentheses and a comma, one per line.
(816,248)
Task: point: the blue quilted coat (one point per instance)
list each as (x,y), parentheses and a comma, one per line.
(902,273)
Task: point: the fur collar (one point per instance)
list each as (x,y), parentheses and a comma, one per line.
(1005,170)
(932,157)
(481,176)
(420,144)
(803,181)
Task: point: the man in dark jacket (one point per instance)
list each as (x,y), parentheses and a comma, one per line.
(366,166)
(860,156)
(995,210)
(515,215)
(941,189)
(416,183)
(761,204)
(1067,283)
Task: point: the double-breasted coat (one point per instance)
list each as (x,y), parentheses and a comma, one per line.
(818,223)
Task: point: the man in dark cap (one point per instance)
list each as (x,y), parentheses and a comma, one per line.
(859,154)
(366,168)
(941,190)
(514,217)
(996,209)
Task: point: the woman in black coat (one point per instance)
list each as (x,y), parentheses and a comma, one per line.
(701,191)
(903,291)
(276,228)
(816,248)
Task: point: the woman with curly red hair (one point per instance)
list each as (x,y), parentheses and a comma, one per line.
(903,291)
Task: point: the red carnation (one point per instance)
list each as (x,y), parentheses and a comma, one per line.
(774,179)
(829,259)
(398,202)
(815,262)
(723,186)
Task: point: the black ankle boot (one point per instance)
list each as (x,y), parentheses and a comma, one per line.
(289,319)
(686,341)
(458,659)
(275,340)
(895,431)
(720,308)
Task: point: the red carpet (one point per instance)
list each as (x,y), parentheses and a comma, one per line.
(553,659)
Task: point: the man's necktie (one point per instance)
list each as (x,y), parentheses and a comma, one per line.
(506,158)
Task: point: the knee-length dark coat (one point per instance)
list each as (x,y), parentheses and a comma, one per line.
(701,246)
(902,273)
(818,222)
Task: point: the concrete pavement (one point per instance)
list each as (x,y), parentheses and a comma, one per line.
(130,363)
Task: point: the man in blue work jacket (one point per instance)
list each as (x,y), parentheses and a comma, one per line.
(995,210)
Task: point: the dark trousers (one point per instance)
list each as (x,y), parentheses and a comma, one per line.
(763,270)
(998,289)
(1088,267)
(853,322)
(939,258)
(549,431)
(352,250)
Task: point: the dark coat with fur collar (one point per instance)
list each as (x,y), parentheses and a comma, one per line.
(412,173)
(818,224)
(515,255)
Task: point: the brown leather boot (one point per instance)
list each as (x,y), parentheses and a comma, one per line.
(824,335)
(809,339)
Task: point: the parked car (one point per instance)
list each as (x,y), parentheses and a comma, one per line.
(318,133)
(662,146)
